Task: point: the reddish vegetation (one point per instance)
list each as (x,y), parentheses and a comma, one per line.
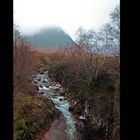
(86,72)
(93,77)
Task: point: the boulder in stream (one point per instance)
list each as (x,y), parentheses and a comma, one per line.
(41,72)
(71,108)
(82,117)
(35,81)
(40,86)
(41,92)
(60,99)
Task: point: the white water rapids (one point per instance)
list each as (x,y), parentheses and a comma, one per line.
(63,106)
(52,90)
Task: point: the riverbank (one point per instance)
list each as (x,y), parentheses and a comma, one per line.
(85,128)
(82,124)
(30,115)
(48,88)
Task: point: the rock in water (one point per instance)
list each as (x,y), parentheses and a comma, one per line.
(60,99)
(82,118)
(71,108)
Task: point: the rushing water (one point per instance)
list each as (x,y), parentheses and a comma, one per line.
(63,105)
(52,90)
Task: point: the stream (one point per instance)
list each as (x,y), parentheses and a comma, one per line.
(63,128)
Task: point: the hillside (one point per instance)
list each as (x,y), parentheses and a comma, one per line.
(51,37)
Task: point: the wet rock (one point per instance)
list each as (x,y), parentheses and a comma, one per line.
(58,85)
(54,96)
(38,79)
(60,99)
(41,92)
(46,72)
(71,108)
(35,81)
(41,72)
(82,118)
(40,86)
(39,105)
(47,86)
(46,80)
(74,103)
(56,89)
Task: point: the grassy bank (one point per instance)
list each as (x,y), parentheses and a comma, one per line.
(30,114)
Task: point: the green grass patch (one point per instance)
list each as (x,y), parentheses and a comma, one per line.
(31,114)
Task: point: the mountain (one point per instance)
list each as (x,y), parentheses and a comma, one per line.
(51,37)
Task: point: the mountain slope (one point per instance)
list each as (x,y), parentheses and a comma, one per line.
(51,37)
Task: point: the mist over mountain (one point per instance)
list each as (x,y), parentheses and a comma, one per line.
(51,37)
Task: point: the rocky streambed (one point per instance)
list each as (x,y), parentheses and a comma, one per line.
(64,126)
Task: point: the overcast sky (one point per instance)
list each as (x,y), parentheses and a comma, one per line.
(32,15)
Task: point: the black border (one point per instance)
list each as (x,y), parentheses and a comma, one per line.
(129,71)
(6,70)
